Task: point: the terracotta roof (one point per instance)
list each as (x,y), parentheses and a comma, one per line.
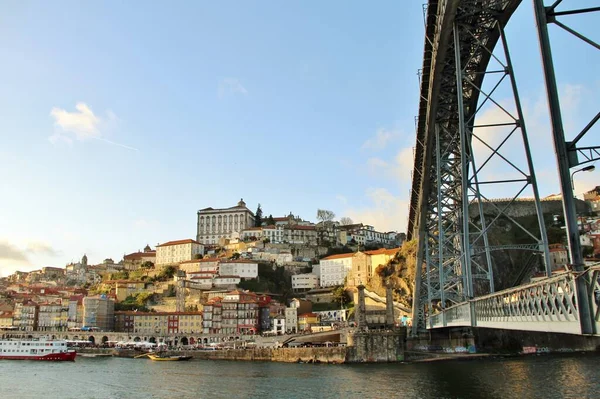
(178,242)
(238,261)
(383,251)
(299,227)
(203,272)
(228,277)
(131,312)
(200,260)
(138,255)
(339,256)
(308,315)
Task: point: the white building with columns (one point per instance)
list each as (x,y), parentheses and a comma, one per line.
(214,224)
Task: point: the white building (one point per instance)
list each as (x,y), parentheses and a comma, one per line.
(175,252)
(201,282)
(214,224)
(291,319)
(275,234)
(278,325)
(334,269)
(226,281)
(240,267)
(251,233)
(298,234)
(307,281)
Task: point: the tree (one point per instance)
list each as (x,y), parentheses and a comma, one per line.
(345,221)
(258,217)
(270,221)
(324,215)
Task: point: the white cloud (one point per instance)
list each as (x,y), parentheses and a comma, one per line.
(381,139)
(231,86)
(398,168)
(386,211)
(83,124)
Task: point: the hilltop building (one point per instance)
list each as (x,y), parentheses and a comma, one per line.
(214,224)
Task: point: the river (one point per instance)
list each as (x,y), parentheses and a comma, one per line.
(546,376)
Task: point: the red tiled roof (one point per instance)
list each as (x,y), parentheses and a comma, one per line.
(200,260)
(298,227)
(383,251)
(237,261)
(138,255)
(178,242)
(339,256)
(131,312)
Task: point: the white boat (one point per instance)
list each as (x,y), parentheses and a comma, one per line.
(34,349)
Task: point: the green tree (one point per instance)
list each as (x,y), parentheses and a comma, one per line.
(340,295)
(270,221)
(258,217)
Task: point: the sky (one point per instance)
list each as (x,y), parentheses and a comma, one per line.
(118,122)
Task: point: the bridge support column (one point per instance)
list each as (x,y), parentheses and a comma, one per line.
(361,311)
(389,307)
(562,158)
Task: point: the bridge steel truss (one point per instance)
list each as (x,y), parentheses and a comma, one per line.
(449,184)
(448,195)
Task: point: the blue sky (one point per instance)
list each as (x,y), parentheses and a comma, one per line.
(118,122)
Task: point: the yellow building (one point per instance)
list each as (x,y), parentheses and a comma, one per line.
(124,288)
(306,320)
(6,320)
(365,263)
(159,323)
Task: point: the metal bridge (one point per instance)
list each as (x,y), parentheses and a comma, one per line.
(464,157)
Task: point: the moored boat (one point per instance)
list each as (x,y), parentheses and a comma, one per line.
(168,358)
(33,349)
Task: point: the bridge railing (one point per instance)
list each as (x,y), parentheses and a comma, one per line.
(546,305)
(593,282)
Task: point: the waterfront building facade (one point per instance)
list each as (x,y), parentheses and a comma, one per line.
(217,223)
(158,323)
(99,311)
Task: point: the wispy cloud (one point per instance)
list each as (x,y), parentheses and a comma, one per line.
(381,139)
(399,167)
(231,86)
(385,211)
(12,253)
(81,124)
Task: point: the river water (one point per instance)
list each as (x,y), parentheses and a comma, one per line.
(546,376)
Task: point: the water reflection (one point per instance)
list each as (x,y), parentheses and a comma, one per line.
(572,376)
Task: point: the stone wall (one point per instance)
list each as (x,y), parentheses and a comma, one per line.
(524,207)
(375,347)
(288,355)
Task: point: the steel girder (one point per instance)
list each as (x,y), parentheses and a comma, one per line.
(447,183)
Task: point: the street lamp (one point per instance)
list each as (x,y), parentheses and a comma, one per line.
(589,168)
